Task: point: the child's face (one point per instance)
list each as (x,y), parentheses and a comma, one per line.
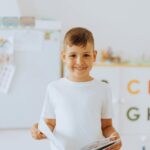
(79,61)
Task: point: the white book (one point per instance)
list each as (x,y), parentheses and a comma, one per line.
(101,144)
(42,126)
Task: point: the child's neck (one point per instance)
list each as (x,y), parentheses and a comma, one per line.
(89,78)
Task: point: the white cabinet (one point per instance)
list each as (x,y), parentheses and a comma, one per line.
(110,74)
(131,101)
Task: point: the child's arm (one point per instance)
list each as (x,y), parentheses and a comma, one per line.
(108,131)
(35,132)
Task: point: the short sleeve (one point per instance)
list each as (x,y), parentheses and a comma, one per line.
(106,112)
(48,106)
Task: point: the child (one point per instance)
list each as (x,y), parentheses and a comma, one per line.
(78,107)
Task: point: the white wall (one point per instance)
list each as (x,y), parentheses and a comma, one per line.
(9,8)
(122,24)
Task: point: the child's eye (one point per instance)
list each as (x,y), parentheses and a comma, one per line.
(86,55)
(73,55)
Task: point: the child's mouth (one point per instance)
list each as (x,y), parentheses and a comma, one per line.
(81,68)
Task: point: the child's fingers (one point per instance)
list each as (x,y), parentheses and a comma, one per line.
(115,147)
(40,135)
(36,134)
(115,135)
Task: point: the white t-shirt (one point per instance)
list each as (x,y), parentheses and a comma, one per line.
(78,108)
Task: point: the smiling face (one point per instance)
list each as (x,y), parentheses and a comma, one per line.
(79,61)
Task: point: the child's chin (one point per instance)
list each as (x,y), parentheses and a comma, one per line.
(80,72)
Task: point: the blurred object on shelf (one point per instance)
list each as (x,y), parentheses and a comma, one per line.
(27,21)
(10,21)
(47,35)
(123,57)
(108,55)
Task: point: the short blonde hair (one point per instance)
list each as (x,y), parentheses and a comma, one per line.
(78,36)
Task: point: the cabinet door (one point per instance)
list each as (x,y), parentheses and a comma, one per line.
(135,82)
(112,75)
(135,142)
(135,104)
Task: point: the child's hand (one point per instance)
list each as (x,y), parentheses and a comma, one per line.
(118,145)
(36,134)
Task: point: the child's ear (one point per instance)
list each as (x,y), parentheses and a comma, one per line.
(63,56)
(95,54)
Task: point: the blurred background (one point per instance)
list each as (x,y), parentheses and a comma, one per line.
(31,33)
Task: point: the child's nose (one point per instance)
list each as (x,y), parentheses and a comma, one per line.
(79,60)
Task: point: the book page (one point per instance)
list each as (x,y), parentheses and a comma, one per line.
(6,75)
(48,133)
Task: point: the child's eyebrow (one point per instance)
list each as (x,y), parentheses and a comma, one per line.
(72,52)
(86,52)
